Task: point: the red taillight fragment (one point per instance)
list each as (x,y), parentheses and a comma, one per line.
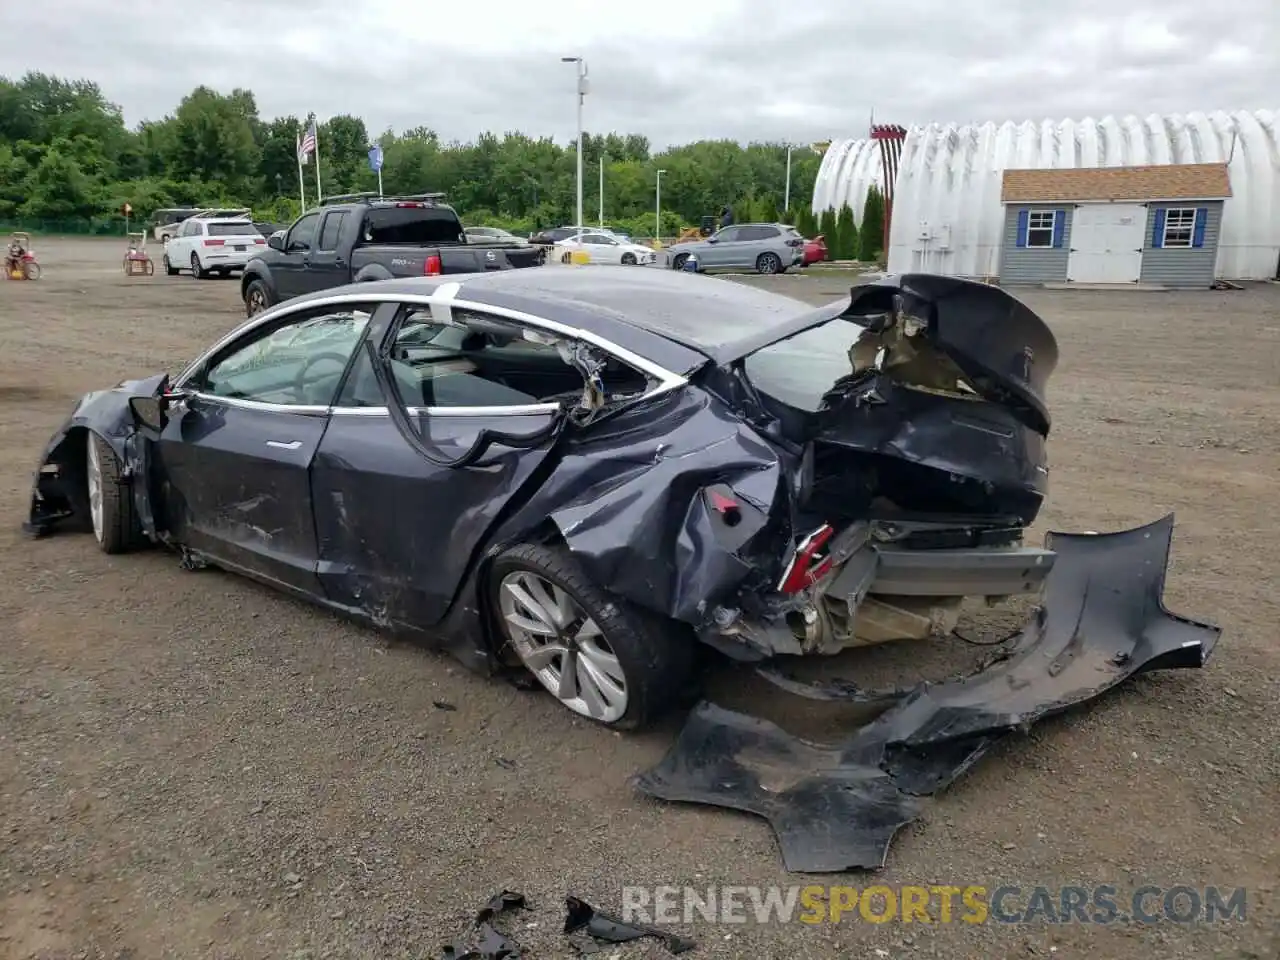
(215,243)
(432,266)
(810,563)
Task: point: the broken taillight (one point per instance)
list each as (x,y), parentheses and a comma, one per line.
(810,563)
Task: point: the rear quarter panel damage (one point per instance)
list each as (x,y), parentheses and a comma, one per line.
(630,499)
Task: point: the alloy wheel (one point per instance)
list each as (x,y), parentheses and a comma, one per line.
(257,302)
(93,472)
(562,646)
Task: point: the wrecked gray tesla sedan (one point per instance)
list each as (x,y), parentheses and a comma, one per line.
(583,472)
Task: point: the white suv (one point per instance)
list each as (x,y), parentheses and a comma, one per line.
(212,246)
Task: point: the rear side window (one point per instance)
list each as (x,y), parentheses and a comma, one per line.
(331,230)
(758,233)
(411,226)
(799,370)
(231,229)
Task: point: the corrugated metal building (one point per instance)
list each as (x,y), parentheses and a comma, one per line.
(1156,225)
(949,215)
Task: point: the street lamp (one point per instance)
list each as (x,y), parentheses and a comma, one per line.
(657,209)
(582,93)
(601,208)
(786,193)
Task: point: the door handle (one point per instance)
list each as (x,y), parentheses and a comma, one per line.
(284,444)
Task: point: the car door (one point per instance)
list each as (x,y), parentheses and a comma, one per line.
(754,239)
(242,432)
(289,268)
(328,267)
(400,521)
(724,250)
(602,248)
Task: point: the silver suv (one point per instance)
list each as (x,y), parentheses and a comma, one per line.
(762,247)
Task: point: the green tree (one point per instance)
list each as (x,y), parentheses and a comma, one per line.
(871,233)
(847,235)
(827,229)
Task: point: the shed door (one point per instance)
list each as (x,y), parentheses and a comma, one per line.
(1106,243)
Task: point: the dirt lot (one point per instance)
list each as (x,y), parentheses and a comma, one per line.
(191,766)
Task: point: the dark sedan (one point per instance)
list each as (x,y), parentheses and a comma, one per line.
(582,473)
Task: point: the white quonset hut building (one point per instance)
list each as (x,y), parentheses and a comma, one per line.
(950,215)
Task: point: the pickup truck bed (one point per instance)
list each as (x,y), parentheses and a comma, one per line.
(370,240)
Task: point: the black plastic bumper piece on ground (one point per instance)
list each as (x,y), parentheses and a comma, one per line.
(837,808)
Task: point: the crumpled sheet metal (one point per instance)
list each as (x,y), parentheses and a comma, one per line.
(627,504)
(837,808)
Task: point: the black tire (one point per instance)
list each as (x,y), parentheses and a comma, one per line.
(256,298)
(629,259)
(119,531)
(768,264)
(169,268)
(679,260)
(657,656)
(197,271)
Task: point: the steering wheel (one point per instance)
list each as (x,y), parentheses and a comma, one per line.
(299,380)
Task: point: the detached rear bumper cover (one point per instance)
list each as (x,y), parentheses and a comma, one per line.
(837,808)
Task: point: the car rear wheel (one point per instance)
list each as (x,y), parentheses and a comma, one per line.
(110,506)
(197,271)
(768,263)
(599,656)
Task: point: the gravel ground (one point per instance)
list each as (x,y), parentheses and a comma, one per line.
(196,767)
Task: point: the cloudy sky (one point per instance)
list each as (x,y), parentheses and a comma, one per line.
(671,69)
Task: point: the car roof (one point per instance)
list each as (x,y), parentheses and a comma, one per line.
(676,319)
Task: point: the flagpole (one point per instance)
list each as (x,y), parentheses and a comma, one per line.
(379,181)
(302,183)
(319,194)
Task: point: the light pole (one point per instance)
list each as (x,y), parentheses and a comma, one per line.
(602,189)
(657,209)
(582,94)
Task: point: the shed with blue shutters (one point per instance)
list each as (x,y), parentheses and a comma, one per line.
(1155,225)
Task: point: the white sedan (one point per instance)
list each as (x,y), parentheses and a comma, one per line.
(604,248)
(212,246)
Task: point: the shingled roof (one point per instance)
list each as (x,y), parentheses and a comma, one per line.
(1178,181)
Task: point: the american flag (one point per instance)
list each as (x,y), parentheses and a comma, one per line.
(308,143)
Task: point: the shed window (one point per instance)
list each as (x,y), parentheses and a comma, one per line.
(1040,228)
(1179,226)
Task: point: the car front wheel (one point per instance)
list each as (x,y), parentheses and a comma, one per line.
(599,656)
(110,505)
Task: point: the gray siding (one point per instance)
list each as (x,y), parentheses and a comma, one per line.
(1183,268)
(1020,265)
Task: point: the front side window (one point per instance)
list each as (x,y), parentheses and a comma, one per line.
(1179,226)
(298,362)
(480,361)
(1040,228)
(303,233)
(599,240)
(729,234)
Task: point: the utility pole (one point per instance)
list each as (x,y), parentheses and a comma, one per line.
(657,209)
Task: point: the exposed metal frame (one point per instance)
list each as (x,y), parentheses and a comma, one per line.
(441,301)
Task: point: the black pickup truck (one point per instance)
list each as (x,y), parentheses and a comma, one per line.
(365,237)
